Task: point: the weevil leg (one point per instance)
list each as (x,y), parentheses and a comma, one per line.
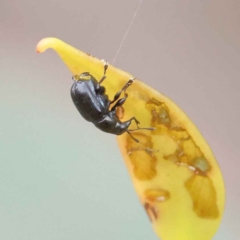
(120,102)
(118,94)
(135,139)
(149,128)
(100,89)
(104,71)
(138,128)
(136,121)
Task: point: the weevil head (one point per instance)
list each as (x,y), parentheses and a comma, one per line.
(84,87)
(85,76)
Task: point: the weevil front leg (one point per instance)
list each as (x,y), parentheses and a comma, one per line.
(104,71)
(100,89)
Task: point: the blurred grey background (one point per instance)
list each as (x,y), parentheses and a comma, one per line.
(60,178)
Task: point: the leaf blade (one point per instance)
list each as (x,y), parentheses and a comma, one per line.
(174,171)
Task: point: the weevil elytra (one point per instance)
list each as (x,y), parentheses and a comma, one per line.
(93,104)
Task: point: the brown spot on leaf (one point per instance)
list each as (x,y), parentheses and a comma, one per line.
(203,195)
(200,164)
(160,113)
(179,134)
(142,158)
(151,212)
(190,149)
(176,156)
(156,195)
(144,165)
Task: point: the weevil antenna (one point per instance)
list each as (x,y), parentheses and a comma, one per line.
(126,33)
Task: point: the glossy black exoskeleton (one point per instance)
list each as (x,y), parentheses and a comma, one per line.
(93,104)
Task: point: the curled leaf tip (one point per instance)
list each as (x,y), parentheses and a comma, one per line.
(46,43)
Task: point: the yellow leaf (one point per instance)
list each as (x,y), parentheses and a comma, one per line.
(173,170)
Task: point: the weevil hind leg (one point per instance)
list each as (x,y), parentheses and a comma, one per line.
(139,128)
(135,139)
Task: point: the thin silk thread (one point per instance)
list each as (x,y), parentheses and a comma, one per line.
(126,33)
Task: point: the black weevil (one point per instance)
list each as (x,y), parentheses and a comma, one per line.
(94,105)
